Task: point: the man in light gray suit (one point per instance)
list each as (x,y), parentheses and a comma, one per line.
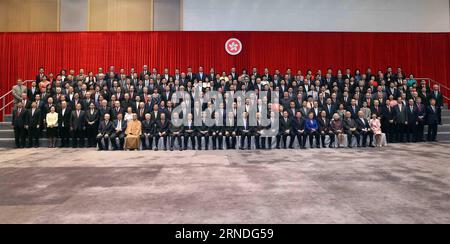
(18,90)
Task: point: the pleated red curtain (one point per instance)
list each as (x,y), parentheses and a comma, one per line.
(424,54)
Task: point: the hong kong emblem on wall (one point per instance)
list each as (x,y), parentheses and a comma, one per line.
(233,46)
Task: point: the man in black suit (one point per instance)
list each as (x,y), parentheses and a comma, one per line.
(162,129)
(204,131)
(120,125)
(351,129)
(176,131)
(217,131)
(92,120)
(354,109)
(105,130)
(363,128)
(189,132)
(64,123)
(437,96)
(432,120)
(285,131)
(244,130)
(33,124)
(103,110)
(19,119)
(230,131)
(324,129)
(78,126)
(421,113)
(401,121)
(148,127)
(412,119)
(298,129)
(388,122)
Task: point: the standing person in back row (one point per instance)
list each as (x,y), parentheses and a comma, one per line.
(17,91)
(33,123)
(77,126)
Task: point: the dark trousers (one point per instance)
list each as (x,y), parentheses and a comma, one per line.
(78,138)
(178,138)
(91,134)
(420,131)
(283,136)
(411,132)
(157,137)
(400,131)
(20,136)
(269,142)
(65,136)
(199,141)
(144,139)
(389,130)
(33,136)
(364,135)
(311,135)
(350,135)
(247,136)
(432,132)
(188,136)
(231,142)
(323,138)
(121,137)
(301,138)
(103,142)
(217,137)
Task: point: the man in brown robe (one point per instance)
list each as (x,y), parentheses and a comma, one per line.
(133,133)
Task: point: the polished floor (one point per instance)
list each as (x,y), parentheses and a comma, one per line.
(407,183)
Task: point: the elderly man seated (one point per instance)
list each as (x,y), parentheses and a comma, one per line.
(133,133)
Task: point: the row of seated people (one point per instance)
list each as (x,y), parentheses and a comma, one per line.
(79,124)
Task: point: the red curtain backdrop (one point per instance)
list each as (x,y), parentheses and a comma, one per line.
(424,54)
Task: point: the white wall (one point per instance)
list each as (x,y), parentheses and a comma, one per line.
(318,15)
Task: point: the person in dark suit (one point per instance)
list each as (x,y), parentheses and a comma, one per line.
(354,109)
(312,129)
(298,129)
(437,96)
(176,131)
(162,129)
(401,121)
(19,119)
(33,123)
(217,131)
(388,122)
(105,129)
(350,129)
(92,120)
(120,125)
(64,120)
(364,129)
(78,126)
(204,131)
(421,112)
(104,109)
(148,127)
(230,131)
(285,131)
(324,129)
(189,132)
(432,120)
(412,118)
(244,130)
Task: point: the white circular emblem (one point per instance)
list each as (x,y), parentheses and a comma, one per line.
(233,46)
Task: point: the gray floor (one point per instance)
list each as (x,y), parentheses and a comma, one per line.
(399,184)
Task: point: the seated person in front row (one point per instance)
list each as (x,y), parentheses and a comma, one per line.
(285,131)
(120,125)
(325,129)
(203,131)
(230,131)
(189,132)
(364,129)
(105,129)
(312,130)
(176,131)
(298,127)
(351,129)
(133,133)
(162,130)
(148,127)
(217,131)
(245,131)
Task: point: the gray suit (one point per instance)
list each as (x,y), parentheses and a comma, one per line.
(17,93)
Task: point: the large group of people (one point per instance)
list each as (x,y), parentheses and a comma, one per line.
(143,111)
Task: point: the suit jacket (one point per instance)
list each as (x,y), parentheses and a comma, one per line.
(349,124)
(298,124)
(148,127)
(106,129)
(412,115)
(64,121)
(33,120)
(432,116)
(324,125)
(311,124)
(78,122)
(400,116)
(360,125)
(92,117)
(17,92)
(19,120)
(163,126)
(124,126)
(354,112)
(439,98)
